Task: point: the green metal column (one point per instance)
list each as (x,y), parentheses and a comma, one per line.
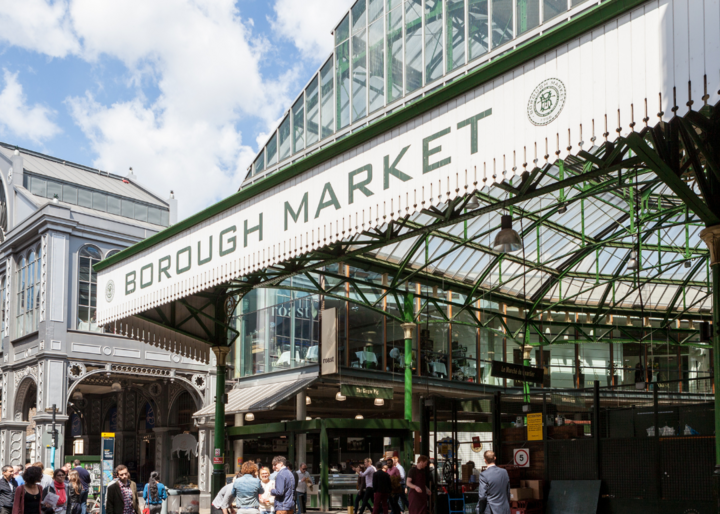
(711,236)
(408,329)
(218,475)
(324,467)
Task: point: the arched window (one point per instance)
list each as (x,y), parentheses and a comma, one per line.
(111,253)
(28,292)
(87,288)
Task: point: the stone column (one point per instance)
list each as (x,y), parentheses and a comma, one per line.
(206,436)
(12,442)
(43,439)
(238,444)
(162,452)
(301,414)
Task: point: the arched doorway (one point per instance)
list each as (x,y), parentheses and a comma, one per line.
(146,437)
(184,465)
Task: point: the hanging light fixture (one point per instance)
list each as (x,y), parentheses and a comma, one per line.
(249,416)
(562,208)
(359,416)
(340,397)
(633,262)
(379,402)
(472,203)
(507,240)
(308,418)
(688,263)
(308,401)
(116,387)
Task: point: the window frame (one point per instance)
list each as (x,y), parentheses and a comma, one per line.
(78,319)
(25,265)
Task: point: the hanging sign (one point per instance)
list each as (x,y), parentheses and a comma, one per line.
(328,341)
(517,372)
(476,445)
(358,391)
(535,426)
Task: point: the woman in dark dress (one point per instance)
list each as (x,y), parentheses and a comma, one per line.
(28,497)
(417,485)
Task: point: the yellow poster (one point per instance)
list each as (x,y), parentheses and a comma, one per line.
(535,426)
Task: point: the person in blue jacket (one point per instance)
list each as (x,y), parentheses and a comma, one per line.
(154,493)
(284,491)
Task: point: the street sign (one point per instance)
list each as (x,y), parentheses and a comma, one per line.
(535,426)
(521,457)
(218,460)
(107,465)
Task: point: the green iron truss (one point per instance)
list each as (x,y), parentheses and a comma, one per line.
(580,218)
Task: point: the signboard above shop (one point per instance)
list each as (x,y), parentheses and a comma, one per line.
(358,391)
(517,372)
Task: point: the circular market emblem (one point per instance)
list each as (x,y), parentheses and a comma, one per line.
(110,291)
(546,102)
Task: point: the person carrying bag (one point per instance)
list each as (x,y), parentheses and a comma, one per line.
(154,494)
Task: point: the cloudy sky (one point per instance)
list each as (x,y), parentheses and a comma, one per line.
(181,90)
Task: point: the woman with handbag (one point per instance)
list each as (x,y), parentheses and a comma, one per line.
(77,493)
(154,494)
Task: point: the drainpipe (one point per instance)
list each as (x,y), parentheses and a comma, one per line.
(711,236)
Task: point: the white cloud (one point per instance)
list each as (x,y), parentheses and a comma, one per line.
(204,60)
(308,24)
(20,119)
(38,26)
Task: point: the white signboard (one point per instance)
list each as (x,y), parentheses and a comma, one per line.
(603,84)
(328,342)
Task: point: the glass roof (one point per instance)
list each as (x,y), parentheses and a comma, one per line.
(572,260)
(387,53)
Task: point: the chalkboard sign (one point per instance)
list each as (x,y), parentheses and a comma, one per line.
(573,497)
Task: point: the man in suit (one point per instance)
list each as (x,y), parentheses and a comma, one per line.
(122,494)
(494,488)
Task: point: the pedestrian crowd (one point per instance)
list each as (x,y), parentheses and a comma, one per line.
(40,490)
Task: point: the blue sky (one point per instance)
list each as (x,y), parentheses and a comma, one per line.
(181,90)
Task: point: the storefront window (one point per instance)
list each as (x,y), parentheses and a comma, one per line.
(365,338)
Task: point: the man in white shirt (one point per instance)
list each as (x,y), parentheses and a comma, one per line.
(304,479)
(403,497)
(369,491)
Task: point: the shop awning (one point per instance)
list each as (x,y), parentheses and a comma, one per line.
(260,397)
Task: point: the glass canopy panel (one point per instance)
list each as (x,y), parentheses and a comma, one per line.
(477,27)
(502,26)
(259,164)
(413,45)
(343,30)
(271,150)
(433,40)
(327,87)
(376,54)
(528,15)
(395,52)
(359,74)
(313,112)
(298,115)
(342,79)
(375,10)
(552,8)
(455,34)
(358,13)
(285,139)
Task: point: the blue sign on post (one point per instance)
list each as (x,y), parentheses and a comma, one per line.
(107,465)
